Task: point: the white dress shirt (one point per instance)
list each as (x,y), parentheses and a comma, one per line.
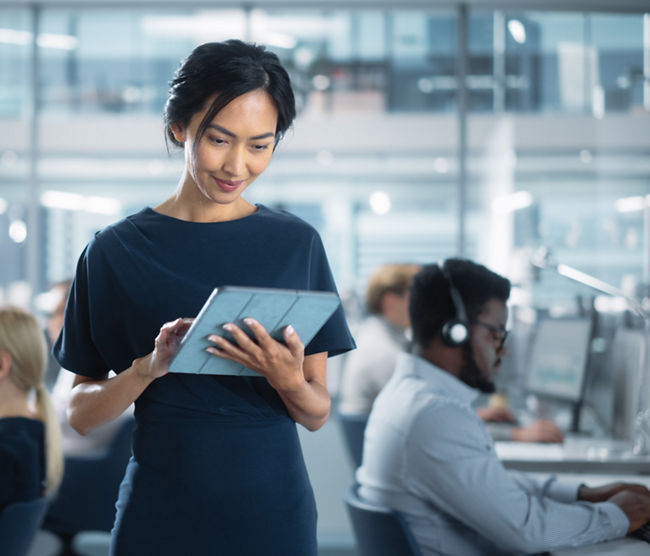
(428,455)
(368,368)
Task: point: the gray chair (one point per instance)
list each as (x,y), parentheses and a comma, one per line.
(353,426)
(19,523)
(379,531)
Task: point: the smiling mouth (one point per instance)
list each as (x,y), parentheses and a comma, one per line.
(228,186)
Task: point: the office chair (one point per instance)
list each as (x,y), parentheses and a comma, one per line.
(354,426)
(19,523)
(379,531)
(85,500)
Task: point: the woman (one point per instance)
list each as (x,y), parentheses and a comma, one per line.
(217,466)
(30,451)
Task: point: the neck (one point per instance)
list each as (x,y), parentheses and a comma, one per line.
(14,403)
(189,204)
(444,357)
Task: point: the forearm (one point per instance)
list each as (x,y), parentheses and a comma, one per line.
(308,404)
(96,402)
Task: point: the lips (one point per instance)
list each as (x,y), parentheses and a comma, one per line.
(227,186)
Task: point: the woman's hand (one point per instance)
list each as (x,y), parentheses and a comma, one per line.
(166,344)
(298,379)
(281,364)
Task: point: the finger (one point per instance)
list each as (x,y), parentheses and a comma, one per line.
(241,338)
(293,341)
(225,349)
(261,335)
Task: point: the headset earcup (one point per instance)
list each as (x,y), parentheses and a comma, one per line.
(455,333)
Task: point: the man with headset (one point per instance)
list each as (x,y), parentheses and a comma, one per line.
(428,455)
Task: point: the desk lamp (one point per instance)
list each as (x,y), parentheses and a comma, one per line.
(542,259)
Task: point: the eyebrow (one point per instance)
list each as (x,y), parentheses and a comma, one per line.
(231,134)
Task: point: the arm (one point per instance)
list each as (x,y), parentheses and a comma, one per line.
(299,380)
(539,431)
(632,498)
(454,465)
(95,402)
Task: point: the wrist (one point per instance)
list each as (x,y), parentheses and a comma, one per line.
(141,368)
(583,492)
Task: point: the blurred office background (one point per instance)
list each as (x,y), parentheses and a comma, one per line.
(426,129)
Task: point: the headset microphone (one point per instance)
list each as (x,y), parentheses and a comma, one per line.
(455,332)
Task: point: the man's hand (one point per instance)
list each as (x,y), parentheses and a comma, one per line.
(539,431)
(499,414)
(605,492)
(635,505)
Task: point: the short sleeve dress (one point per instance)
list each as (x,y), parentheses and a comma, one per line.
(217,467)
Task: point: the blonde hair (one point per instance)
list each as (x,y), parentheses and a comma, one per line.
(391,278)
(22,337)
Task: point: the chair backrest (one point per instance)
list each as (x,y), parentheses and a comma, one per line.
(86,497)
(19,523)
(379,531)
(354,426)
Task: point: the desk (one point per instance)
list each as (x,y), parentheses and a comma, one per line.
(627,546)
(577,454)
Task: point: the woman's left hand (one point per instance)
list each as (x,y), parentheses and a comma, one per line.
(281,364)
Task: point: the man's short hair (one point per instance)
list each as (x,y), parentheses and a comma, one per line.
(391,278)
(431,304)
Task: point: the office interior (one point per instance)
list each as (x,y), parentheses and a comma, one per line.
(514,133)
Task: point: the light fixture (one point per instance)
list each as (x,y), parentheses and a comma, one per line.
(512,202)
(18,231)
(517,30)
(441,165)
(74,201)
(44,40)
(380,202)
(3,205)
(320,82)
(632,204)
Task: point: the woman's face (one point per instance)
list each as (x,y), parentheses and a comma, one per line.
(235,148)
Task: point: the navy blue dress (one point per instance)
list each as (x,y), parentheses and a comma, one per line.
(22,460)
(217,467)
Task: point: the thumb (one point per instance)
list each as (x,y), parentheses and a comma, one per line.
(293,341)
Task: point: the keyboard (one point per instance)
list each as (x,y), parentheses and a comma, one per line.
(643,532)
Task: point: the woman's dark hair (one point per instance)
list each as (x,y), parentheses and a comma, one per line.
(231,69)
(431,304)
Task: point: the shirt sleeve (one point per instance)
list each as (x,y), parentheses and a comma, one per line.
(75,349)
(467,481)
(334,337)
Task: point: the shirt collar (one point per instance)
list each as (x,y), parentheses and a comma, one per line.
(441,380)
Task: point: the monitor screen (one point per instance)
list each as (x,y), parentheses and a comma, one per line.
(559,358)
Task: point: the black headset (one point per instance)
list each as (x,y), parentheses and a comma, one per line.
(456,331)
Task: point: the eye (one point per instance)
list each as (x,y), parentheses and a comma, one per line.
(260,148)
(216,140)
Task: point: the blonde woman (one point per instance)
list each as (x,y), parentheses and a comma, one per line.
(30,451)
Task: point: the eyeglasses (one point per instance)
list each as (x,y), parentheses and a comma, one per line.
(499,333)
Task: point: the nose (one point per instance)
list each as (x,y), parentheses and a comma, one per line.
(235,161)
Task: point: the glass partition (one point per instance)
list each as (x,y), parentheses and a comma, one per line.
(559,163)
(557,122)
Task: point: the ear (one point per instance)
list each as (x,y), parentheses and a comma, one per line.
(5,363)
(177,131)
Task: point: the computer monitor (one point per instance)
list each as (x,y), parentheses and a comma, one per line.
(559,361)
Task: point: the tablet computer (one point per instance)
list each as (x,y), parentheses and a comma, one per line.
(306,311)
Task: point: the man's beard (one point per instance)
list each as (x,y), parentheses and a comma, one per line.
(471,375)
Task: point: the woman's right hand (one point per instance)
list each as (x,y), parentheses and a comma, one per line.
(165,347)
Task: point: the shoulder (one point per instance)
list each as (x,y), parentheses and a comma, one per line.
(441,421)
(281,218)
(116,233)
(18,432)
